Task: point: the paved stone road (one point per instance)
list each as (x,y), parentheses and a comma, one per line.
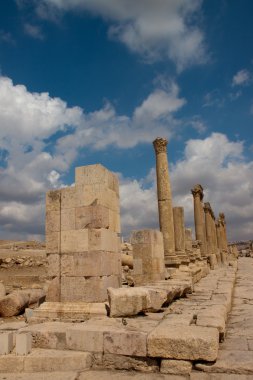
(236,353)
(235,359)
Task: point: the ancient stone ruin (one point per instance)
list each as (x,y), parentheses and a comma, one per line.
(158,303)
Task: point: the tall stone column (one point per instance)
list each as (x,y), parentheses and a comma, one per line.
(179,228)
(210,238)
(165,201)
(199,221)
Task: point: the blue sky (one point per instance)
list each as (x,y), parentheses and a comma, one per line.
(87,81)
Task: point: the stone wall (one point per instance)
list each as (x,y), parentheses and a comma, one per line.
(82,243)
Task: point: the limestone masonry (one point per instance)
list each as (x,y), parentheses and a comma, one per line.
(156,304)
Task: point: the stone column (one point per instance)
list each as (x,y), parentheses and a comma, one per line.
(178,217)
(165,201)
(224,231)
(188,244)
(198,196)
(222,237)
(209,235)
(215,239)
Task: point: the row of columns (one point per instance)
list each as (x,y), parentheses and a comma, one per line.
(210,234)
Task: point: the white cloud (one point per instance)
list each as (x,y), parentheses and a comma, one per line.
(216,163)
(33,31)
(32,161)
(241,78)
(161,29)
(40,138)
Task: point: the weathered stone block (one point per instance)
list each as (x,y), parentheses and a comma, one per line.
(103,240)
(96,216)
(147,237)
(74,241)
(6,342)
(125,342)
(23,343)
(57,360)
(98,263)
(53,264)
(196,343)
(68,219)
(53,242)
(114,221)
(96,174)
(127,302)
(68,197)
(86,338)
(52,221)
(90,195)
(146,279)
(53,291)
(53,200)
(123,362)
(90,289)
(176,367)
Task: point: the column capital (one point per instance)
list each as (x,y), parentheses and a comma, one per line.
(197,191)
(160,145)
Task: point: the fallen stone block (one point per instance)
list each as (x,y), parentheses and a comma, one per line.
(158,297)
(126,302)
(14,304)
(176,367)
(189,343)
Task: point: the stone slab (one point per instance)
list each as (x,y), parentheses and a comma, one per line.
(175,367)
(196,343)
(238,362)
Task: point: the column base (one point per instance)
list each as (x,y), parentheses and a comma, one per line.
(213,261)
(172,261)
(184,259)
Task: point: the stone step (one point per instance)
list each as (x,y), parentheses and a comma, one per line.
(44,360)
(39,376)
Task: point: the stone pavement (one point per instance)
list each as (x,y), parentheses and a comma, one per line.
(235,358)
(236,353)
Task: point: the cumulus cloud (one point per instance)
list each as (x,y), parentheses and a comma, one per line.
(241,78)
(40,138)
(215,162)
(161,29)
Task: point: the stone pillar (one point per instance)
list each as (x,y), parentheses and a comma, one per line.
(209,235)
(222,237)
(165,201)
(179,228)
(82,245)
(148,256)
(224,231)
(188,245)
(199,221)
(215,240)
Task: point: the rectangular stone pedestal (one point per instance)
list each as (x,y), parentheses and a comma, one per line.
(67,311)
